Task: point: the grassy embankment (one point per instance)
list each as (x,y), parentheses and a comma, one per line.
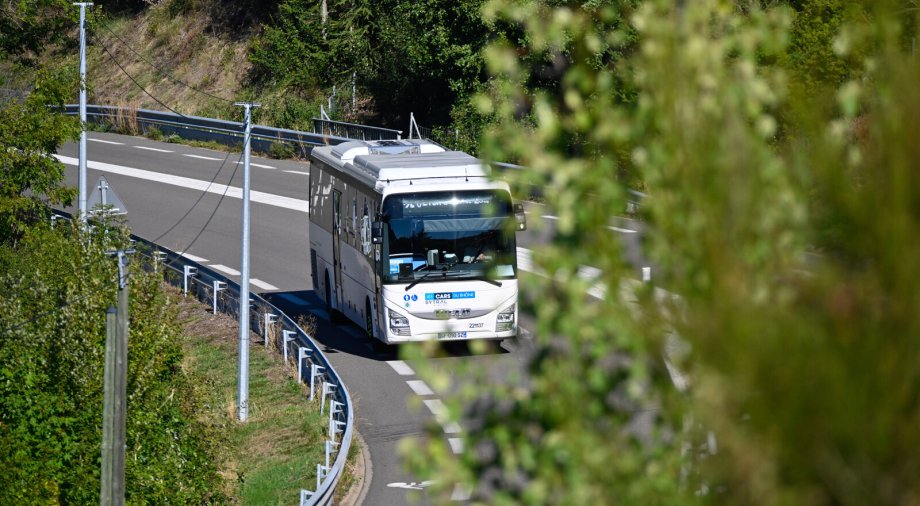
(269,458)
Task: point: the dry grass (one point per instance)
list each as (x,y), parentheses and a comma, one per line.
(182,46)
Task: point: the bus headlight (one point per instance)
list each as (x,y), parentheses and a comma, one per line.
(505,320)
(399,324)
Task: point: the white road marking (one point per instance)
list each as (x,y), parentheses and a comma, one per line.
(549,217)
(194,184)
(223,268)
(420,388)
(259,165)
(294,299)
(410,486)
(439,410)
(202,157)
(401,368)
(297,172)
(106,142)
(158,150)
(461,493)
(193,258)
(622,230)
(456,445)
(262,284)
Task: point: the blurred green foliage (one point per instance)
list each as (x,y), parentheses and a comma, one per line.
(782,219)
(55,287)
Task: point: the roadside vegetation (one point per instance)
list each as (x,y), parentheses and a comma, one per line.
(183,443)
(777,141)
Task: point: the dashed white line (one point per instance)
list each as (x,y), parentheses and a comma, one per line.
(420,388)
(202,157)
(262,284)
(461,493)
(194,258)
(439,410)
(259,165)
(158,150)
(401,368)
(106,142)
(456,445)
(622,230)
(223,268)
(297,172)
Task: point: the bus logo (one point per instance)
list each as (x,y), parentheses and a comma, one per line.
(450,295)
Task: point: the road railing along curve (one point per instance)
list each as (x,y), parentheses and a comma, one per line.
(277,329)
(229,133)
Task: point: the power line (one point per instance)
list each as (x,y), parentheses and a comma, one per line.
(155,66)
(214,212)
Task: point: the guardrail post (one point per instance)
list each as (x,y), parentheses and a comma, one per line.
(329,445)
(217,288)
(304,495)
(269,319)
(54,218)
(187,272)
(334,409)
(646,274)
(321,472)
(327,389)
(158,258)
(286,337)
(314,373)
(302,353)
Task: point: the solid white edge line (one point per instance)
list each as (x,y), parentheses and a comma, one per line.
(223,268)
(420,387)
(401,368)
(193,184)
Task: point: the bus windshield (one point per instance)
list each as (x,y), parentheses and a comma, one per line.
(457,234)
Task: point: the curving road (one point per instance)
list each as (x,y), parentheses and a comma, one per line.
(187,199)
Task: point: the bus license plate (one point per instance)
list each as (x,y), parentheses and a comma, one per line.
(451,335)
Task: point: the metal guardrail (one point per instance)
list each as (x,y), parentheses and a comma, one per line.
(196,128)
(270,322)
(313,368)
(354,131)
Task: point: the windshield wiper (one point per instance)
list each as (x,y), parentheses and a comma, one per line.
(445,270)
(419,280)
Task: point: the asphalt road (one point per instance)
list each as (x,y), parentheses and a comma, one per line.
(186,199)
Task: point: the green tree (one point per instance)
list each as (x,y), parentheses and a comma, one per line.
(804,371)
(30,132)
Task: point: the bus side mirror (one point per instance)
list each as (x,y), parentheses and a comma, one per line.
(520,216)
(377,232)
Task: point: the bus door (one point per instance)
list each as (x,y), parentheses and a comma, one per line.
(337,247)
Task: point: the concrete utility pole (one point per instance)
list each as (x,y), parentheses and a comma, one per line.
(81,178)
(243,388)
(114,411)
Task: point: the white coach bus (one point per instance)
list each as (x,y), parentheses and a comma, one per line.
(413,242)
